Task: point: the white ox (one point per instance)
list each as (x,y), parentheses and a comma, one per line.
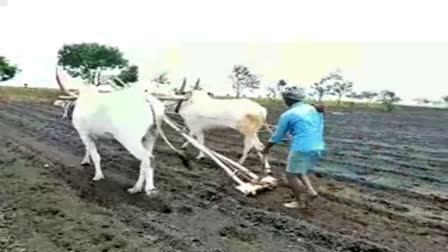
(131,116)
(201,111)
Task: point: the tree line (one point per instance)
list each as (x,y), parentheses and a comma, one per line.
(90,60)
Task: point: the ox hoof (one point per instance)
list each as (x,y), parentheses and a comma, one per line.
(134,190)
(152,192)
(85,163)
(98,177)
(268,171)
(199,158)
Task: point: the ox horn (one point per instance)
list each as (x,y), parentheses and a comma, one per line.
(180,91)
(63,89)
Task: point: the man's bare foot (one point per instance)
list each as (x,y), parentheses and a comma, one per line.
(293,204)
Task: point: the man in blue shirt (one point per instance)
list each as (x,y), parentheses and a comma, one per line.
(305,124)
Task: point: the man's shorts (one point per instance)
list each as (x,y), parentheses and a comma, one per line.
(301,163)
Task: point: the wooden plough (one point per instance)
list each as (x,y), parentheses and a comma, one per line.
(248,182)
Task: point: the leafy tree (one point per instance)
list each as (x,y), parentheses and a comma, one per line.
(445,98)
(7,70)
(129,74)
(341,88)
(84,59)
(324,85)
(389,98)
(282,83)
(242,79)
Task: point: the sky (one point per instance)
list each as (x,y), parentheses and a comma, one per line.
(396,45)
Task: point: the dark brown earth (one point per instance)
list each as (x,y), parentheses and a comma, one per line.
(383,185)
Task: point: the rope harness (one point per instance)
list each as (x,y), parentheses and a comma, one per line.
(68,109)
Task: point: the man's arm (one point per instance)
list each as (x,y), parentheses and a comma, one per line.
(279,134)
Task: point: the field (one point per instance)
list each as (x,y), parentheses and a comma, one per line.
(383,185)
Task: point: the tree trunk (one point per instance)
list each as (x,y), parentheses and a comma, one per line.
(339,99)
(238,92)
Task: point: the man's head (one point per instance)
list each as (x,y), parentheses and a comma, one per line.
(293,95)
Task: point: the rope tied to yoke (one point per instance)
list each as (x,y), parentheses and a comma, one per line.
(68,109)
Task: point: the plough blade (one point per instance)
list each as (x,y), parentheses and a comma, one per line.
(251,189)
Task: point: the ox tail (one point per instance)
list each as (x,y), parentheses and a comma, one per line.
(266,125)
(264,115)
(182,157)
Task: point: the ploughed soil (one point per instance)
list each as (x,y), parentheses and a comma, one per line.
(383,187)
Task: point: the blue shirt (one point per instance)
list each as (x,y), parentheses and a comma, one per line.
(305,125)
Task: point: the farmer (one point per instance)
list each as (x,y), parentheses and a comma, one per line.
(305,123)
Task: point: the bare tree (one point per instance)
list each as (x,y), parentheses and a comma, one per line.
(275,90)
(242,79)
(341,88)
(324,85)
(421,100)
(272,91)
(161,79)
(354,95)
(369,95)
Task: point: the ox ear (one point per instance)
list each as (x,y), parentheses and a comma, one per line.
(187,95)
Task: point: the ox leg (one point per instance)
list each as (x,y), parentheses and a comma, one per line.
(138,187)
(185,145)
(149,143)
(200,137)
(247,147)
(93,153)
(136,148)
(149,187)
(86,159)
(265,162)
(259,146)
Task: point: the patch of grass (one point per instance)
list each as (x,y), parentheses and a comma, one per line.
(28,94)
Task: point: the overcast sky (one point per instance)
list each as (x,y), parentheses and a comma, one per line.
(396,45)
